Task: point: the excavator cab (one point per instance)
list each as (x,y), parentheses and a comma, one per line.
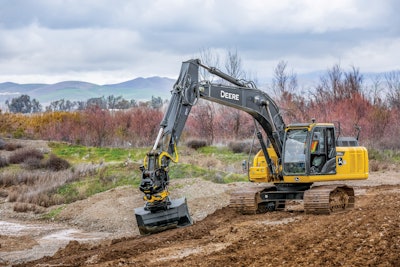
(313,153)
(309,149)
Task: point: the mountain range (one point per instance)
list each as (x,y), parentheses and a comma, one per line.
(140,89)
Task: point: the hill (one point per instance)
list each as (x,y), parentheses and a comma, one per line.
(138,89)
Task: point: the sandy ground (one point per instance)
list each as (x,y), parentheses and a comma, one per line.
(102,231)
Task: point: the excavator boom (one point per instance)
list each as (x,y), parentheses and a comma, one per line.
(160,212)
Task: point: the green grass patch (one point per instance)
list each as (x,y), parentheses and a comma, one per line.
(78,153)
(179,171)
(222,153)
(51,215)
(115,172)
(106,178)
(387,155)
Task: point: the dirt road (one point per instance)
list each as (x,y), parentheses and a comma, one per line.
(369,235)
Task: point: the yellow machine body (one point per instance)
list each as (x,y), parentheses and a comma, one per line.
(348,162)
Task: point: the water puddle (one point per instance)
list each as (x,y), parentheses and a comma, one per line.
(47,240)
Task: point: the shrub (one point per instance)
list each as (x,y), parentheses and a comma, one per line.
(244,147)
(374,165)
(11,146)
(2,144)
(13,196)
(25,207)
(55,163)
(196,143)
(3,162)
(3,193)
(21,155)
(32,163)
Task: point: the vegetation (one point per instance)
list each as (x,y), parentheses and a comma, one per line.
(35,180)
(24,104)
(339,97)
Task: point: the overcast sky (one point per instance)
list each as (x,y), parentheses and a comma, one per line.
(111,41)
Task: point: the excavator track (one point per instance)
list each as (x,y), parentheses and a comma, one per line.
(328,199)
(246,200)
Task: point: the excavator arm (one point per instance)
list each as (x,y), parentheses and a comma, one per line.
(159,212)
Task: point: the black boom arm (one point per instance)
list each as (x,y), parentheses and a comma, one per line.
(186,91)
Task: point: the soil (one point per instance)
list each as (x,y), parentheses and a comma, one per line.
(101,231)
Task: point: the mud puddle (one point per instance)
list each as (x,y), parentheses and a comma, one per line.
(21,242)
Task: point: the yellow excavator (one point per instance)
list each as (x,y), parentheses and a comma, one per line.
(291,159)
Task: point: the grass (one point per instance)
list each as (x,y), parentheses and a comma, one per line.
(385,155)
(53,213)
(98,169)
(77,153)
(106,178)
(116,173)
(222,153)
(178,171)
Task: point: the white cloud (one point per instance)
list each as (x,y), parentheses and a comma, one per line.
(103,41)
(379,55)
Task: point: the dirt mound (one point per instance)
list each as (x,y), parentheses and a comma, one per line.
(366,236)
(113,211)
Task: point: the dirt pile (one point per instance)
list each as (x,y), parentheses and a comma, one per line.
(366,236)
(113,211)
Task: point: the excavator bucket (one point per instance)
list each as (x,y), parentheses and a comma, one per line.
(177,215)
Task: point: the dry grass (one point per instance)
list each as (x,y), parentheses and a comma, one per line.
(375,166)
(25,207)
(20,155)
(9,146)
(37,186)
(32,163)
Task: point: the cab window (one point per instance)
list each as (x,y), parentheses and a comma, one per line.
(294,151)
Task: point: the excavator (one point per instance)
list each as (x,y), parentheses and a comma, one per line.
(291,160)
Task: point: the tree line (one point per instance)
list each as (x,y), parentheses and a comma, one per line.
(339,96)
(25,105)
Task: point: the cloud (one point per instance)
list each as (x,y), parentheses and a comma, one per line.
(106,40)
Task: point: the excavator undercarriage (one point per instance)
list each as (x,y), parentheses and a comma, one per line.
(324,199)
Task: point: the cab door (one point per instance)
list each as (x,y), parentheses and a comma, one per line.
(322,151)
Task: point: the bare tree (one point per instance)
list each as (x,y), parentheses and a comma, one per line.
(233,65)
(210,58)
(393,85)
(284,83)
(375,91)
(284,86)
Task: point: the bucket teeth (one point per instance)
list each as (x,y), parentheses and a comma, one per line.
(176,215)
